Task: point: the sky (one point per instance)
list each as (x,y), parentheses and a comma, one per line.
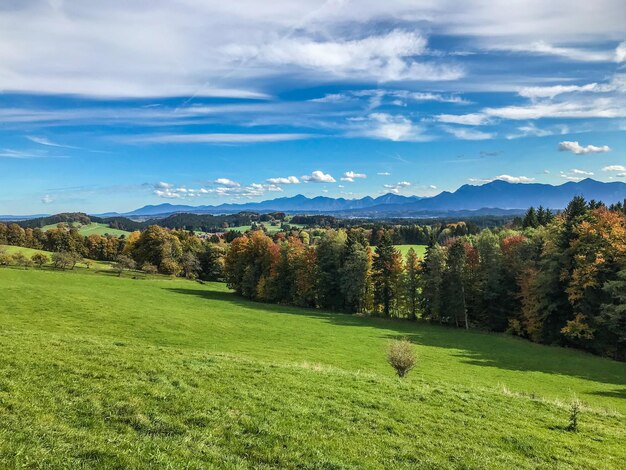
(109,106)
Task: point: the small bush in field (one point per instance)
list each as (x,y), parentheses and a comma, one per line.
(149,268)
(401,356)
(574,412)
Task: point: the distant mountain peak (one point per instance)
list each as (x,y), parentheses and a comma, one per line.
(497,194)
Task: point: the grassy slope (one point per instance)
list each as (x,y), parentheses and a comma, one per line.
(99,371)
(93,229)
(97,265)
(420,250)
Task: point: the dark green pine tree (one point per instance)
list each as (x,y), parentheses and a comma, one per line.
(530,219)
(383,262)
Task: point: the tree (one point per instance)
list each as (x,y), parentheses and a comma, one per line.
(454,284)
(212,262)
(411,283)
(613,314)
(387,275)
(123,263)
(330,251)
(159,246)
(20,259)
(40,259)
(190,265)
(530,219)
(492,307)
(356,273)
(62,260)
(431,282)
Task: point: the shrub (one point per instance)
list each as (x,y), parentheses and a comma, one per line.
(149,268)
(401,356)
(20,259)
(5,259)
(40,259)
(62,260)
(574,411)
(123,263)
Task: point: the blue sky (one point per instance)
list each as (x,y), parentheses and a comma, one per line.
(107,106)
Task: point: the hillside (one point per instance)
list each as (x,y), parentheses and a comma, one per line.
(93,228)
(102,372)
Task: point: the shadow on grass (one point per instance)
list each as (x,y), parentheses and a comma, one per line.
(500,351)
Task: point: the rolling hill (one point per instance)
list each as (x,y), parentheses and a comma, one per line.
(102,372)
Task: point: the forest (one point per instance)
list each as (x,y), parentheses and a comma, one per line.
(551,278)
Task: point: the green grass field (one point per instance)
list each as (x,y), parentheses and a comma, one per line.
(420,250)
(28,252)
(101,372)
(92,229)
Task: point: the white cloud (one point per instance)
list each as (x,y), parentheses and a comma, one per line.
(432,186)
(388,57)
(47,142)
(396,128)
(224,188)
(318,177)
(396,188)
(23,154)
(284,180)
(47,199)
(576,171)
(174,50)
(571,53)
(620,52)
(384,173)
(507,178)
(215,138)
(614,168)
(227,182)
(468,134)
(598,108)
(515,179)
(473,119)
(576,148)
(552,91)
(531,130)
(350,176)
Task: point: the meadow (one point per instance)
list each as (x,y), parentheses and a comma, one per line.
(93,228)
(104,372)
(420,250)
(29,252)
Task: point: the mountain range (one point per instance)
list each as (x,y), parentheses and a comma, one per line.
(496,197)
(493,198)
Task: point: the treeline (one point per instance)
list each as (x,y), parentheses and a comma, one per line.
(63,240)
(559,281)
(155,250)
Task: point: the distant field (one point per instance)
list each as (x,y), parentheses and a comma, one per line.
(101,372)
(93,229)
(97,265)
(270,228)
(420,250)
